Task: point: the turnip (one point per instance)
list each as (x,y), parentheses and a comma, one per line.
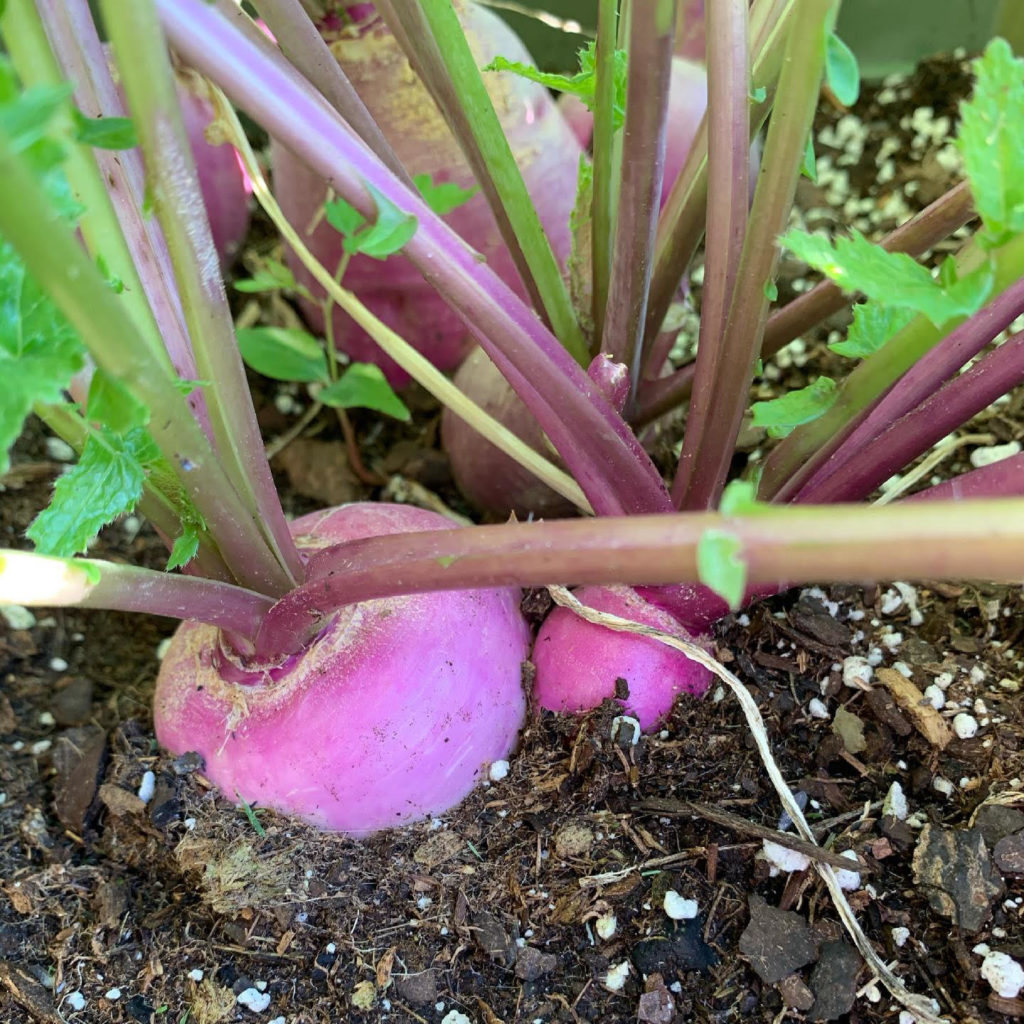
(389,715)
(579,664)
(544,146)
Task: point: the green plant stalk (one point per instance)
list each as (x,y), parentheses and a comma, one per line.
(603,204)
(43,581)
(725,370)
(682,221)
(651,36)
(809,446)
(54,257)
(29,49)
(419,368)
(489,138)
(149,85)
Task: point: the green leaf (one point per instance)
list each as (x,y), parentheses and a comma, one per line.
(270,277)
(104,132)
(841,71)
(583,84)
(105,482)
(771,291)
(111,404)
(364,386)
(445,197)
(343,217)
(720,565)
(389,233)
(780,416)
(739,499)
(283,353)
(892,278)
(809,165)
(757,95)
(873,325)
(184,548)
(991,140)
(39,350)
(26,118)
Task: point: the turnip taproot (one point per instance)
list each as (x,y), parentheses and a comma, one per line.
(578,663)
(544,147)
(389,715)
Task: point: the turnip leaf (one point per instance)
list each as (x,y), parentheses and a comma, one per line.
(283,353)
(992,143)
(873,325)
(892,278)
(105,482)
(720,565)
(780,416)
(343,217)
(739,499)
(389,232)
(445,196)
(104,132)
(364,386)
(841,70)
(184,548)
(112,405)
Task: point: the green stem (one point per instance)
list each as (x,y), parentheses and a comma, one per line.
(476,113)
(54,257)
(808,447)
(724,371)
(603,207)
(149,84)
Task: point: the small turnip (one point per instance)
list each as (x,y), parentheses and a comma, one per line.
(544,146)
(389,715)
(578,663)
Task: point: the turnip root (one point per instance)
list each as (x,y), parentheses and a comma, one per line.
(389,715)
(578,663)
(542,142)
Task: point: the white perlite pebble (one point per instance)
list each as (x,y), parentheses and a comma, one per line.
(900,936)
(857,672)
(935,696)
(58,665)
(1004,974)
(498,771)
(455,1017)
(943,786)
(17,617)
(782,858)
(849,880)
(678,908)
(994,453)
(253,999)
(615,979)
(75,1000)
(965,726)
(59,450)
(113,994)
(277,1020)
(816,709)
(605,926)
(895,803)
(147,787)
(196,974)
(163,647)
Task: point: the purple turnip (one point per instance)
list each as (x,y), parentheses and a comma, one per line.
(579,663)
(387,716)
(542,142)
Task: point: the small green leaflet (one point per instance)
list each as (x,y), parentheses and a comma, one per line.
(112,405)
(26,118)
(389,233)
(582,85)
(809,165)
(445,197)
(757,95)
(39,350)
(771,291)
(105,482)
(185,547)
(739,499)
(270,277)
(992,142)
(720,565)
(104,132)
(873,325)
(892,278)
(782,415)
(283,353)
(841,71)
(364,386)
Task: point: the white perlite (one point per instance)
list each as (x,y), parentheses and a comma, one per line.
(678,908)
(615,979)
(900,936)
(75,1000)
(848,880)
(782,858)
(147,787)
(253,999)
(965,726)
(498,771)
(857,672)
(1004,974)
(17,617)
(605,926)
(816,709)
(455,1017)
(895,803)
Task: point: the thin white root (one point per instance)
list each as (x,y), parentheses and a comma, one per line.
(918,1005)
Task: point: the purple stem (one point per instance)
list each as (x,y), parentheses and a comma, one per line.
(939,414)
(1003,479)
(916,386)
(651,34)
(594,442)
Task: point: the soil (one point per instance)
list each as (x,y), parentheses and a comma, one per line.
(546,896)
